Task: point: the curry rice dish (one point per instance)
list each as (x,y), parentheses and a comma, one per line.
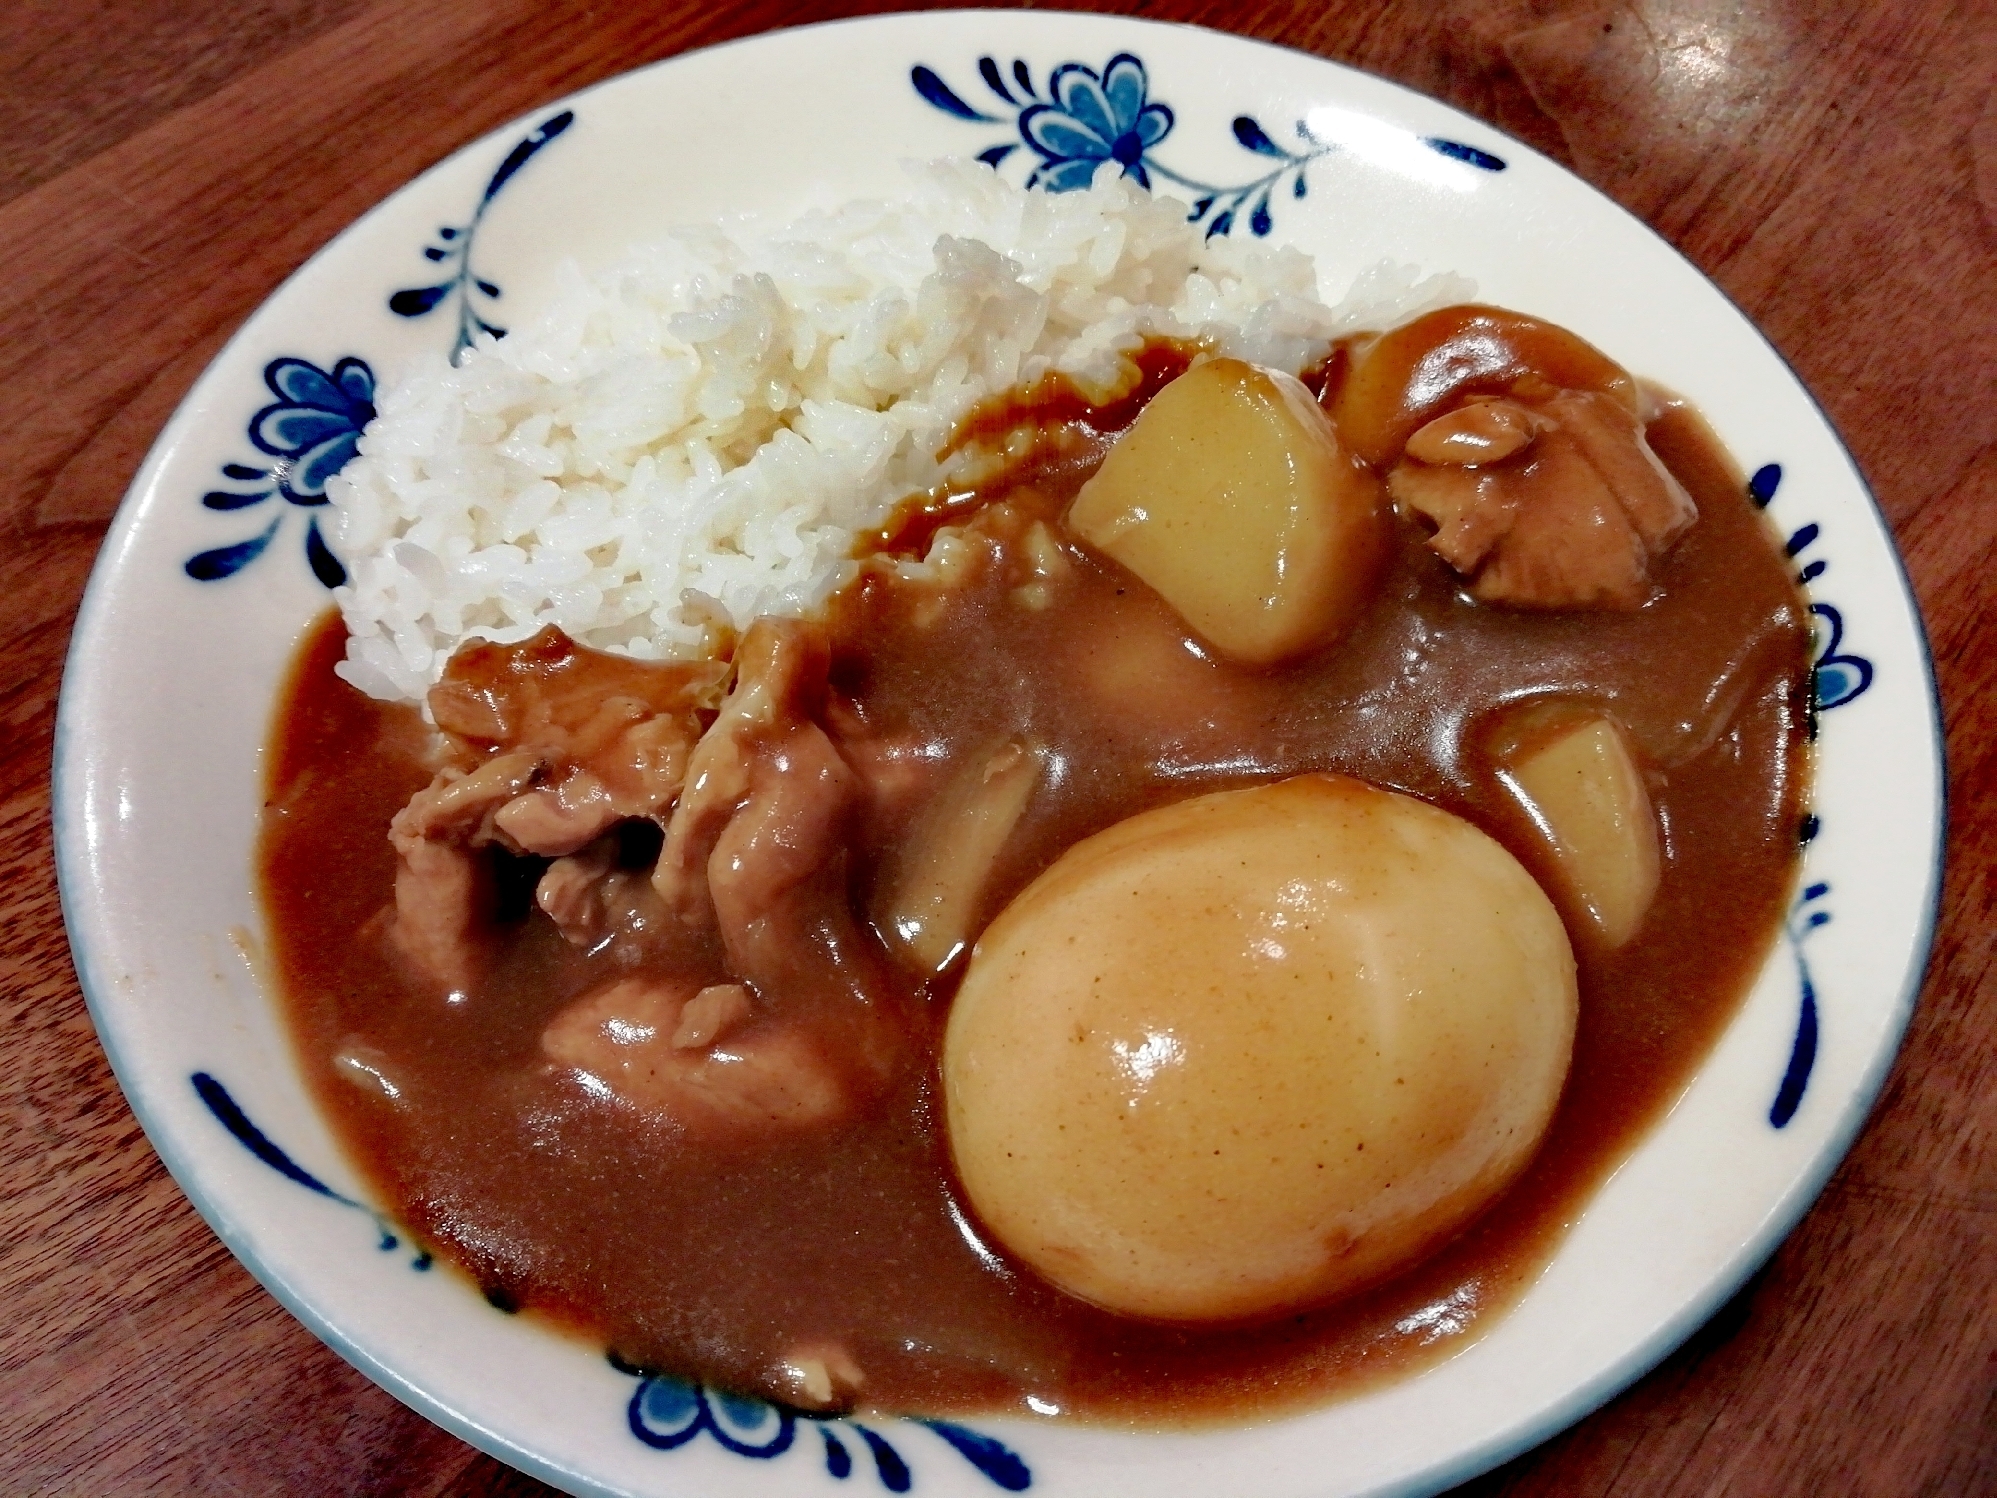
(1181,932)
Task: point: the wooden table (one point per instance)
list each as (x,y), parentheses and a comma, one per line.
(165,163)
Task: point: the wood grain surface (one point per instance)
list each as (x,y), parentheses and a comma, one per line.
(165,163)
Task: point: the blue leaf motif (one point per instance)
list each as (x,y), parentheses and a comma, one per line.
(227,561)
(285,431)
(1761,488)
(1058,136)
(1254,137)
(993,1458)
(317,464)
(940,94)
(1803,1049)
(1081,96)
(456,246)
(298,383)
(420,299)
(1154,123)
(894,1471)
(319,556)
(1123,87)
(1456,150)
(988,69)
(838,1460)
(229,1114)
(222,499)
(1839,676)
(524,151)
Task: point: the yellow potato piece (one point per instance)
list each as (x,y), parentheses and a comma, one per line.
(1586,795)
(1251,1051)
(1232,497)
(930,903)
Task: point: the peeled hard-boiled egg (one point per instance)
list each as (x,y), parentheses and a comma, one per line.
(1246,1053)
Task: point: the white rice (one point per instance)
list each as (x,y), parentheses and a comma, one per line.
(699,433)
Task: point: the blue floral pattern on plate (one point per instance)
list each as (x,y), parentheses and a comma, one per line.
(313,429)
(310,432)
(1084,118)
(1836,678)
(229,1114)
(456,243)
(1806,916)
(667,1413)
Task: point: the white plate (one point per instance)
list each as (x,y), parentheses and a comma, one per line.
(171,680)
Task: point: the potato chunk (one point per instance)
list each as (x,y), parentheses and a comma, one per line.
(1583,789)
(932,904)
(1232,497)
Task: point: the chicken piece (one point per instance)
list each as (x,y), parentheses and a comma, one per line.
(711,1014)
(629,724)
(444,891)
(787,829)
(778,666)
(457,805)
(557,820)
(895,770)
(593,899)
(756,1074)
(444,899)
(550,747)
(1557,503)
(570,892)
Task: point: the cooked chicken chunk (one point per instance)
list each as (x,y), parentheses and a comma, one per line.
(549,748)
(443,890)
(779,671)
(1557,503)
(752,1072)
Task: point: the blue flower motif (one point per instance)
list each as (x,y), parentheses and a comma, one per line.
(1094,118)
(314,426)
(310,432)
(1839,675)
(1087,118)
(667,1413)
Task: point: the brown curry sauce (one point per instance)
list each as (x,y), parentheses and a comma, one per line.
(716,1262)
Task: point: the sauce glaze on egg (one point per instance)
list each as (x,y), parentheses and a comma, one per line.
(1252,1051)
